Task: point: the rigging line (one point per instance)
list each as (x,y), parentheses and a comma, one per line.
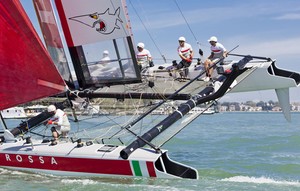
(207,107)
(110,118)
(148,32)
(187,23)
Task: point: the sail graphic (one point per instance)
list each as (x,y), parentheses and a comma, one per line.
(27,71)
(104,23)
(96,21)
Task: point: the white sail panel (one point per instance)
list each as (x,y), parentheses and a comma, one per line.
(95,21)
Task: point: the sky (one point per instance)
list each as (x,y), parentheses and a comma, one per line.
(269,28)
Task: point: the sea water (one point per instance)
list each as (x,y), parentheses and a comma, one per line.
(231,151)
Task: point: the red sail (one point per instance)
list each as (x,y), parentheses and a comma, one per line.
(26,70)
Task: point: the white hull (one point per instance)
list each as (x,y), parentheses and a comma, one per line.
(67,159)
(265,76)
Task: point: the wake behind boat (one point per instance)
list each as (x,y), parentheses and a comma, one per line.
(122,146)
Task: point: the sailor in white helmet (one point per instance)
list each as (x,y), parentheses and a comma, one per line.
(218,51)
(105,58)
(186,53)
(101,66)
(61,123)
(143,56)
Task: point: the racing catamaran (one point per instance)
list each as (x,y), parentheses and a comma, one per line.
(123,149)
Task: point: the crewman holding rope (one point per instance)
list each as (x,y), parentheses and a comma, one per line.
(61,123)
(186,53)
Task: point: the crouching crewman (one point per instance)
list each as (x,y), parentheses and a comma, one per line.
(61,123)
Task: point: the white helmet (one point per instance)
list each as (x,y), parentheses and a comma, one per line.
(105,52)
(51,108)
(181,39)
(213,38)
(141,45)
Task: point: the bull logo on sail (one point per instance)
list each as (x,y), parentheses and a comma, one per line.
(104,23)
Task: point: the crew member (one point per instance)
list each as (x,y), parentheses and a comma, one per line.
(61,123)
(186,53)
(143,56)
(105,58)
(218,51)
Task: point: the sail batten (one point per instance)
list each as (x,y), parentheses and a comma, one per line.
(23,59)
(50,84)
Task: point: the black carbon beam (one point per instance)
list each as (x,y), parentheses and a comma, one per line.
(24,126)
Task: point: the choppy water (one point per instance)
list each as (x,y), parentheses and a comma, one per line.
(231,151)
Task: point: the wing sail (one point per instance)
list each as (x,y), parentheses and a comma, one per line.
(49,27)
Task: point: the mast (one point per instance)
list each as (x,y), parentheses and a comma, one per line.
(205,95)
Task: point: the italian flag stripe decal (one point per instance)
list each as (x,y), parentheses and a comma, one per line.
(151,169)
(143,168)
(136,168)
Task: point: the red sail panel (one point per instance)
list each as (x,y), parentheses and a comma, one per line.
(48,23)
(26,71)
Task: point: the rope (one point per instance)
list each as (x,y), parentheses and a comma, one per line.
(187,24)
(148,32)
